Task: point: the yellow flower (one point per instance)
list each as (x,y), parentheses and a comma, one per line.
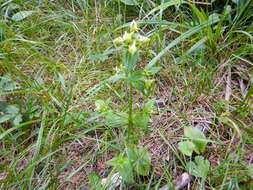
(128,37)
(132,48)
(149,83)
(134,26)
(118,40)
(142,39)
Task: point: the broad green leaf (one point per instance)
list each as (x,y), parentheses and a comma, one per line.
(130,61)
(140,160)
(123,166)
(148,107)
(136,76)
(4,118)
(186,147)
(197,137)
(7,84)
(21,15)
(17,119)
(143,163)
(12,109)
(130,2)
(141,120)
(9,113)
(117,77)
(199,168)
(116,119)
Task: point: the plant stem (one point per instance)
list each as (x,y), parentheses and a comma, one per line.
(130,113)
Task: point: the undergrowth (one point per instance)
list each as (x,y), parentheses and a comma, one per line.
(82,108)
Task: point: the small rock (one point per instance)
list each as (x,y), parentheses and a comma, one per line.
(164,188)
(182,181)
(111,183)
(3,175)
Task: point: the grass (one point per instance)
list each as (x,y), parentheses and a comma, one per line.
(55,63)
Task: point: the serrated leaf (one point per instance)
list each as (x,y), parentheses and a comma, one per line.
(140,160)
(141,120)
(143,163)
(199,168)
(21,15)
(123,166)
(130,2)
(197,137)
(186,147)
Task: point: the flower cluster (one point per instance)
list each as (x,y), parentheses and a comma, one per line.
(131,39)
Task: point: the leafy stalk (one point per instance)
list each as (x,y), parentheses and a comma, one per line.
(130,113)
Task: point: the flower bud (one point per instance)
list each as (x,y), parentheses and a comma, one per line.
(132,48)
(133,26)
(149,83)
(142,39)
(118,40)
(127,37)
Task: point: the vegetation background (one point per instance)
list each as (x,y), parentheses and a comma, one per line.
(56,57)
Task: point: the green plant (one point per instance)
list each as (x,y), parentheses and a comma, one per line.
(199,168)
(196,141)
(135,120)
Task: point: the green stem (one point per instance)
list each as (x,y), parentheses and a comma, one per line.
(130,113)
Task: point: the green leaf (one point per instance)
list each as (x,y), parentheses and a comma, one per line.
(130,2)
(250,170)
(123,166)
(95,182)
(141,120)
(140,160)
(197,137)
(179,39)
(17,119)
(21,15)
(116,119)
(4,118)
(136,76)
(117,77)
(7,84)
(148,107)
(199,168)
(10,113)
(186,147)
(152,70)
(130,61)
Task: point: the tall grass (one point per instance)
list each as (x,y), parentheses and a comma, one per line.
(55,61)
